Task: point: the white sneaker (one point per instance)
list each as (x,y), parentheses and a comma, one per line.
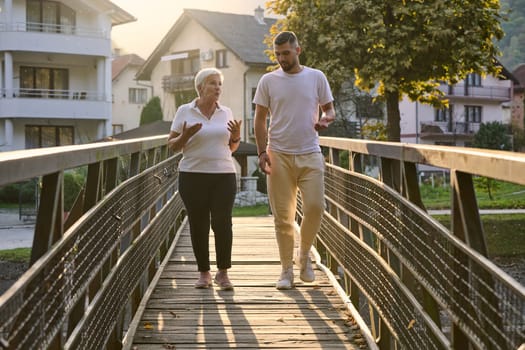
(286,279)
(306,272)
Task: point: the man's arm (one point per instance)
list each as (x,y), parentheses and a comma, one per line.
(261,137)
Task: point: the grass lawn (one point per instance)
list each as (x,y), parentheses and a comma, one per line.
(16,254)
(505,234)
(256,210)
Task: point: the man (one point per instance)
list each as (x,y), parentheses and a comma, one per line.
(289,151)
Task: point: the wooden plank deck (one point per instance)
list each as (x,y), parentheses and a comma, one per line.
(255,315)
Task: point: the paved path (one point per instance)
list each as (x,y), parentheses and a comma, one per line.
(14,233)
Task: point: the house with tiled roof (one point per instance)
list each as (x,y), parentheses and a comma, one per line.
(199,39)
(129,95)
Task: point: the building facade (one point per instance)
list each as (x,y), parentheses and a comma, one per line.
(55,76)
(199,39)
(129,95)
(472,101)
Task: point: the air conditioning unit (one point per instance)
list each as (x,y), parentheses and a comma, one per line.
(207,55)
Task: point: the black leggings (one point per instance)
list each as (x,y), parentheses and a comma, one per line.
(204,196)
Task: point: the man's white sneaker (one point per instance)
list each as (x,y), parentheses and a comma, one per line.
(306,272)
(286,279)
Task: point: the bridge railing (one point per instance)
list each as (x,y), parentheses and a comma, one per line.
(91,267)
(426,286)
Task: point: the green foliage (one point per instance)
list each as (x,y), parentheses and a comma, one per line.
(151,111)
(513,44)
(492,135)
(374,131)
(401,47)
(23,192)
(518,137)
(73,182)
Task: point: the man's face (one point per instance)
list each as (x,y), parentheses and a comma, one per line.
(287,56)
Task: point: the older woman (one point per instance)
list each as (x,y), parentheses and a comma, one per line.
(207,134)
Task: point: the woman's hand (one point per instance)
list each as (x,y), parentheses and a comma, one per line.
(188,132)
(234,127)
(176,141)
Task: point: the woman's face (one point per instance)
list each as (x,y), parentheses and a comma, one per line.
(211,87)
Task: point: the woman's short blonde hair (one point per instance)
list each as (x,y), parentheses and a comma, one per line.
(201,76)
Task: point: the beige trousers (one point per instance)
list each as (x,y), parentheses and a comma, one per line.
(289,174)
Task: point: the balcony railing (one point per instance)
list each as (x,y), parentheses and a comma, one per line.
(482,92)
(461,128)
(171,83)
(52,28)
(55,94)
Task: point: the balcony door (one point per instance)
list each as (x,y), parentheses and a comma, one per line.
(50,16)
(44,82)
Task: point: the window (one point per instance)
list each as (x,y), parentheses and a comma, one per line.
(138,95)
(442,115)
(473,79)
(49,16)
(44,82)
(38,136)
(117,128)
(189,65)
(220,59)
(473,114)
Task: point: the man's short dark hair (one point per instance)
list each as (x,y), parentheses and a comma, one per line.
(286,37)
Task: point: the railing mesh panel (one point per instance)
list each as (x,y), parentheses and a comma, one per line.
(39,308)
(477,296)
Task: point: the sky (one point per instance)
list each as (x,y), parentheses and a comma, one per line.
(156,17)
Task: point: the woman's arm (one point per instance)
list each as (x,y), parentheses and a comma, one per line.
(177,141)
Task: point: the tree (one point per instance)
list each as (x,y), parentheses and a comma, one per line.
(399,47)
(151,111)
(491,135)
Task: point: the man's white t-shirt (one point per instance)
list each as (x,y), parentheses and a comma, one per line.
(207,151)
(293,101)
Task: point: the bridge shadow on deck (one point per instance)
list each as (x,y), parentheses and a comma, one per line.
(254,315)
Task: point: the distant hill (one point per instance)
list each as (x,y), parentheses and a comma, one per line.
(512,45)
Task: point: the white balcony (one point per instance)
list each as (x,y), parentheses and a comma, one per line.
(479,93)
(40,37)
(61,104)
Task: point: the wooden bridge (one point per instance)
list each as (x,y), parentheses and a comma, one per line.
(254,315)
(117,270)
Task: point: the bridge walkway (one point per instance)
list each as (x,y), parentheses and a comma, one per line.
(255,314)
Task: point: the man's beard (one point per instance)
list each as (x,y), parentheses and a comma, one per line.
(288,67)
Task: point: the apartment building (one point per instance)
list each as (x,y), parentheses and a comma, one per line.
(473,101)
(55,76)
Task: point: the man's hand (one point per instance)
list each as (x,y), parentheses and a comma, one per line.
(323,123)
(264,163)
